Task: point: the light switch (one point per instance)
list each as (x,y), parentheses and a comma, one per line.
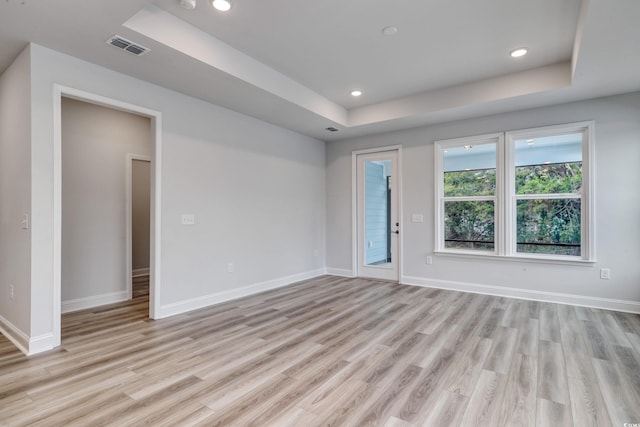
(188,219)
(25,221)
(417,218)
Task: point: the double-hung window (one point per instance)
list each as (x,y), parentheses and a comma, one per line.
(523,193)
(470,184)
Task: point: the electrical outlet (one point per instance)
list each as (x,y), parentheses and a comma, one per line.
(417,218)
(429,260)
(11,291)
(605,273)
(230,267)
(188,219)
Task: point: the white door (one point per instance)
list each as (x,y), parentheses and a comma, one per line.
(378,220)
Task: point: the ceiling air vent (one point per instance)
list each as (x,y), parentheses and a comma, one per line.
(127,45)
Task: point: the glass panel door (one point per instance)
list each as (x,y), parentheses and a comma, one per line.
(378,221)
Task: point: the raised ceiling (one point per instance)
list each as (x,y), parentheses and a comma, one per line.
(293,63)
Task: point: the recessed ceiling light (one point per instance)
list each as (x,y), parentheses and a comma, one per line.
(390,31)
(356,92)
(517,53)
(221,5)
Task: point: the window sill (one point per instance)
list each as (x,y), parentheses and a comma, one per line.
(519,258)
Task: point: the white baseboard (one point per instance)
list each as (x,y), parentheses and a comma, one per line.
(93,301)
(41,343)
(219,297)
(526,294)
(138,272)
(339,272)
(15,335)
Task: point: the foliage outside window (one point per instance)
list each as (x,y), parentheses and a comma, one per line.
(522,193)
(470,196)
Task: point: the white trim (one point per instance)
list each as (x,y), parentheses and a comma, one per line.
(156,166)
(396,147)
(342,272)
(354,204)
(526,294)
(400,214)
(587,227)
(94,301)
(44,342)
(57,214)
(544,259)
(589,191)
(552,196)
(470,198)
(440,146)
(219,297)
(505,198)
(26,345)
(509,211)
(438,191)
(140,272)
(129,158)
(354,213)
(155,241)
(15,335)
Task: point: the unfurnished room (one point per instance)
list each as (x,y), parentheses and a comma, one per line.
(337,213)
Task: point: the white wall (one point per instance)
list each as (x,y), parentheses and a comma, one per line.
(95,144)
(140,211)
(15,181)
(617,153)
(257,192)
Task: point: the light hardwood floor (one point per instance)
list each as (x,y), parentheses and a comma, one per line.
(333,351)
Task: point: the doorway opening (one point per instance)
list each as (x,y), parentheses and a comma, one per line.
(138,224)
(97,189)
(76,298)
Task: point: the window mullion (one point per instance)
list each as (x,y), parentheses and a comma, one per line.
(548,196)
(469,198)
(508,199)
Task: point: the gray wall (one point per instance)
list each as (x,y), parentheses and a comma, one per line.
(257,192)
(95,144)
(15,182)
(617,153)
(140,211)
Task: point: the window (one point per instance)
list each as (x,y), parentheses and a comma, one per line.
(469,193)
(520,194)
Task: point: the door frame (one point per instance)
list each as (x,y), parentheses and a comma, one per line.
(60,91)
(354,204)
(130,158)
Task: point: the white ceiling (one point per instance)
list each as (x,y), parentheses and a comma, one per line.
(293,62)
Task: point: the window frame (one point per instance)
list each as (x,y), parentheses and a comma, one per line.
(441,146)
(505,204)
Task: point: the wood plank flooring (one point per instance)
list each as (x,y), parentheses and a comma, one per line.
(333,352)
